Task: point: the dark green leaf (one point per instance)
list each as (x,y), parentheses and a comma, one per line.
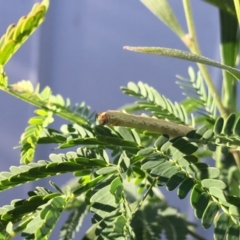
(145,151)
(175,180)
(209,214)
(228,126)
(185,187)
(195,195)
(160,141)
(158,170)
(201,205)
(218,126)
(200,132)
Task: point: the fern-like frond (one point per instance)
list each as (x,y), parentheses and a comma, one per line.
(31,135)
(59,164)
(19,210)
(160,106)
(17,34)
(199,99)
(173,163)
(44,99)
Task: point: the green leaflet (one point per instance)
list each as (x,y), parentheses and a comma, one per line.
(201,205)
(175,180)
(185,187)
(145,151)
(106,170)
(160,169)
(216,192)
(218,125)
(195,195)
(209,214)
(229,123)
(213,182)
(202,171)
(160,141)
(234,211)
(103,202)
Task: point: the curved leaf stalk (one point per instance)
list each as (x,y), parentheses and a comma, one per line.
(146,194)
(44,100)
(59,164)
(194,48)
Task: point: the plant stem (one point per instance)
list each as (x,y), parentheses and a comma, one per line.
(194,48)
(60,111)
(195,235)
(145,195)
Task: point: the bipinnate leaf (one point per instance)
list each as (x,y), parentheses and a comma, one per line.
(209,214)
(159,105)
(175,53)
(59,164)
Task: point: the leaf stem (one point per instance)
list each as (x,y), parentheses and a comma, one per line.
(60,111)
(237,8)
(194,48)
(195,235)
(145,195)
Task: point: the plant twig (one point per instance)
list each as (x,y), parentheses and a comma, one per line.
(194,48)
(195,235)
(117,118)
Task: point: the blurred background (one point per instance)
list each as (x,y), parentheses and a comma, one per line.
(78,52)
